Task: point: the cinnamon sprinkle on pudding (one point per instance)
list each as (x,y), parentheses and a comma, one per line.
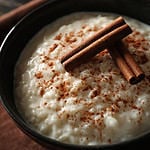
(92,104)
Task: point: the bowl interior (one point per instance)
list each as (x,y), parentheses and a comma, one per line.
(31,24)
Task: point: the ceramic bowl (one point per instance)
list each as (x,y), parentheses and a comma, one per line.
(23,31)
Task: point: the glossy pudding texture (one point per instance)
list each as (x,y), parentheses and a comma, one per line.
(92,104)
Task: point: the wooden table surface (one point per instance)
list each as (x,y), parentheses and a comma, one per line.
(11,137)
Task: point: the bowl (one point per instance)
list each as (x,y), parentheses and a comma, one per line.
(25,29)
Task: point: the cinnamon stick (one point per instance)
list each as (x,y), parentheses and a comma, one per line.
(115,24)
(110,38)
(136,69)
(97,46)
(122,65)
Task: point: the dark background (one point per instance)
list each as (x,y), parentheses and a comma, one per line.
(7,5)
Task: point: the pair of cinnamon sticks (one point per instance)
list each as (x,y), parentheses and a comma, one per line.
(126,63)
(107,38)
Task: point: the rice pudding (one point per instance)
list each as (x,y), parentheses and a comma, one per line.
(93,104)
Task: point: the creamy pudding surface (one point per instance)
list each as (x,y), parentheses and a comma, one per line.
(92,104)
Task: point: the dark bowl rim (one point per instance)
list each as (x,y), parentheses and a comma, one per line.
(27,129)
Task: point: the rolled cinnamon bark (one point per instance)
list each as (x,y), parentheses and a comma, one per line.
(97,46)
(113,25)
(122,65)
(136,69)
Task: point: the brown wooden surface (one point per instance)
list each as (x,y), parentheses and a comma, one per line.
(11,137)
